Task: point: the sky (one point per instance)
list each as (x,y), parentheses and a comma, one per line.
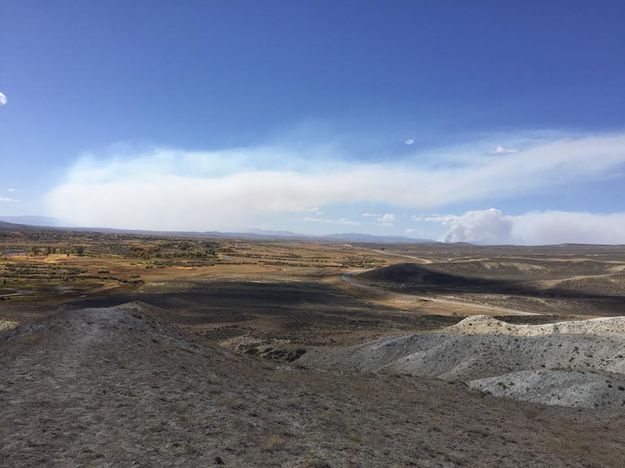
(487,122)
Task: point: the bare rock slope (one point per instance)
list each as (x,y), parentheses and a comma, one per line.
(577,364)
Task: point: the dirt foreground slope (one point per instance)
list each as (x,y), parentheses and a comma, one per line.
(117,387)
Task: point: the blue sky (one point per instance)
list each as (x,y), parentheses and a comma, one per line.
(309,116)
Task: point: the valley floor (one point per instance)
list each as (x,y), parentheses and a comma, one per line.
(122,350)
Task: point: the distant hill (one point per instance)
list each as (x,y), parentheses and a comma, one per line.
(355,237)
(35,221)
(6,226)
(263,232)
(38,222)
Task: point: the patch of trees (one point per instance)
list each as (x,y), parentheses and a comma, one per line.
(174,249)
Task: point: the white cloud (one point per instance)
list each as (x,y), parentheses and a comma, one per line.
(503,150)
(342,221)
(432,217)
(11,190)
(313,210)
(175,189)
(387,219)
(533,228)
(7,199)
(409,141)
(3,99)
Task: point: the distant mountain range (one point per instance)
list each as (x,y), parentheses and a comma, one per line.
(34,222)
(356,237)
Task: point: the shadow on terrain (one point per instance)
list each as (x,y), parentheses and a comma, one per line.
(409,276)
(304,312)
